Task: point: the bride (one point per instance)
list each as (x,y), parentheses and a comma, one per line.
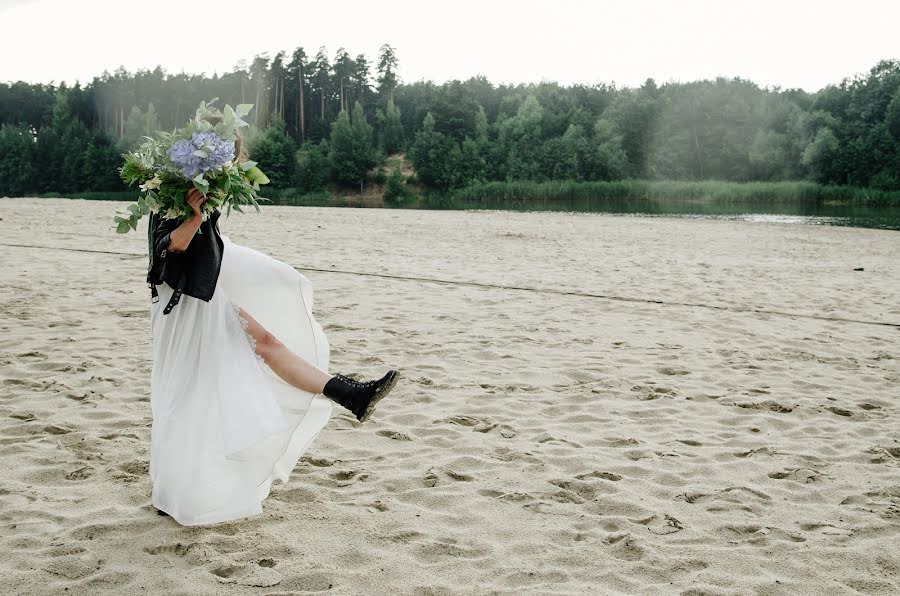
(239,387)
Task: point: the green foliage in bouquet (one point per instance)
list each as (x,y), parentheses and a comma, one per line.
(199,155)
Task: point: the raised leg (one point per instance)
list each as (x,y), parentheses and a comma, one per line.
(292,368)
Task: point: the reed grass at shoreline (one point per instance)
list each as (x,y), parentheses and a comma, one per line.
(519,194)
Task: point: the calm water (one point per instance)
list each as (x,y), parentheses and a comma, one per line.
(887,218)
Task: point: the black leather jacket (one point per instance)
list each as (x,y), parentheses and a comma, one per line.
(193,271)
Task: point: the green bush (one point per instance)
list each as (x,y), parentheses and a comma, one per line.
(396,193)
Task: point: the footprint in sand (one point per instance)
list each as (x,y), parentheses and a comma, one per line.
(649,393)
(73,566)
(884,454)
(24,416)
(80,473)
(138,467)
(247,575)
(771,406)
(803,475)
(376,506)
(587,490)
(480,425)
(735,498)
(660,525)
(406,537)
(295,495)
(545,437)
(11,499)
(826,529)
(444,549)
(184,556)
(883,502)
(507,455)
(348,477)
(666,370)
(53,429)
(758,535)
(523,498)
(393,434)
(319,462)
(758,451)
(625,547)
(597,474)
(312,582)
(433,476)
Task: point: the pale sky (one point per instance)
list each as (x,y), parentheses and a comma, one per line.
(790,43)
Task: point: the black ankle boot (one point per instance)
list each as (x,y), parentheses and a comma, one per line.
(357,396)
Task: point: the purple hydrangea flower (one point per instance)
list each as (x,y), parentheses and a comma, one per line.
(182,153)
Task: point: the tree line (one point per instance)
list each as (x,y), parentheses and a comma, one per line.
(323,121)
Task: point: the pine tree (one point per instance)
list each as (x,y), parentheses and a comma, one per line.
(391,137)
(275,150)
(296,76)
(260,77)
(18,161)
(360,79)
(387,73)
(322,79)
(343,71)
(432,155)
(351,152)
(313,166)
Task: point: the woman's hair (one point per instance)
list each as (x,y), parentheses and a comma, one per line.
(240,150)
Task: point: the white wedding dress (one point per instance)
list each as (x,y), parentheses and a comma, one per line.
(224,425)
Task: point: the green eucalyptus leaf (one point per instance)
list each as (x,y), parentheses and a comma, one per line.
(257,177)
(202,184)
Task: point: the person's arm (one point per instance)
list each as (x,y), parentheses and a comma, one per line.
(177,240)
(181,237)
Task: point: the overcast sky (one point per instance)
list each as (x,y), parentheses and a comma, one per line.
(791,43)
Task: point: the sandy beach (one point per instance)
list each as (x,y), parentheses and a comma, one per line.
(595,405)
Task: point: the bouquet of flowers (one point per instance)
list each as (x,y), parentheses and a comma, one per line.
(199,155)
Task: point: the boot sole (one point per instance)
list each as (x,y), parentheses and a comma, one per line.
(381,394)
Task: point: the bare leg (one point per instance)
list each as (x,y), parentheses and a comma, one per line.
(293,369)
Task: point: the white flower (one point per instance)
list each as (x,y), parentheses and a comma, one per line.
(153,183)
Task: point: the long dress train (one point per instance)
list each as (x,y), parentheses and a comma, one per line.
(224,425)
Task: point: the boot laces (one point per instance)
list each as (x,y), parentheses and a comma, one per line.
(362,385)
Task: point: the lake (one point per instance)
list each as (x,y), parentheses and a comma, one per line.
(809,213)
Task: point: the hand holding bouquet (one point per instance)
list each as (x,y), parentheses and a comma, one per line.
(200,155)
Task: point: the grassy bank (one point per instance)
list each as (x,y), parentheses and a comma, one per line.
(537,195)
(284,196)
(761,193)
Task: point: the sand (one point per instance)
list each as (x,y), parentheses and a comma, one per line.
(687,407)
